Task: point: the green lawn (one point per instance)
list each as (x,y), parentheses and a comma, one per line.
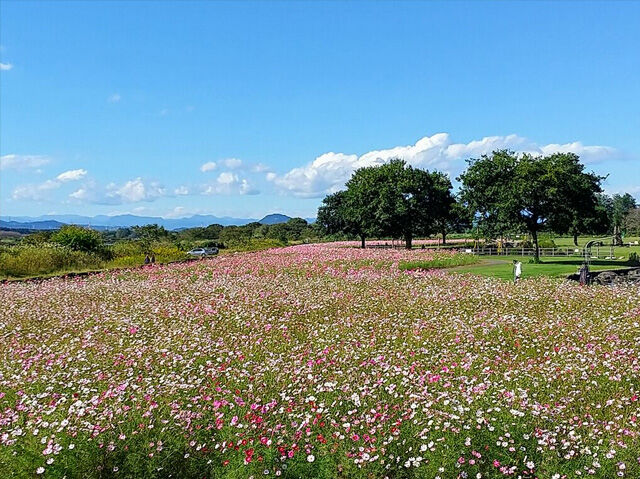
(502,267)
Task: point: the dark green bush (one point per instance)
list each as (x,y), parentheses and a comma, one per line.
(78,238)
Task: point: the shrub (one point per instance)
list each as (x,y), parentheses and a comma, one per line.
(78,238)
(546,243)
(24,261)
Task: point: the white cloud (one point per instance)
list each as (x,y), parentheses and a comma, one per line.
(6,66)
(132,191)
(228,183)
(22,162)
(329,172)
(137,190)
(114,98)
(181,191)
(232,163)
(227,178)
(72,175)
(177,212)
(247,188)
(34,192)
(81,194)
(208,166)
(587,154)
(39,191)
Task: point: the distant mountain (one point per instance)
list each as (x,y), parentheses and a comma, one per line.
(274,219)
(31,225)
(102,222)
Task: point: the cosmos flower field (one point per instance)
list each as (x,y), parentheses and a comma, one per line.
(317,361)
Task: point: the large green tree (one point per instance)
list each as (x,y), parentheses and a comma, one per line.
(392,199)
(532,192)
(335,215)
(621,206)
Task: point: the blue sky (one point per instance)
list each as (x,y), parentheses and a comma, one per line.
(247,108)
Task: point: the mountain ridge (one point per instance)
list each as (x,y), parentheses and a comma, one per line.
(47,222)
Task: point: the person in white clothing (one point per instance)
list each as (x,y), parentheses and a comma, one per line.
(517,270)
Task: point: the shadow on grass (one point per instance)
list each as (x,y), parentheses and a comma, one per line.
(578,262)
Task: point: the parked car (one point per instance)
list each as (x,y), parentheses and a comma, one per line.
(202,252)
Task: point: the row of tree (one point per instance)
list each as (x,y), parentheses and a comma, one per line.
(500,194)
(92,241)
(391,200)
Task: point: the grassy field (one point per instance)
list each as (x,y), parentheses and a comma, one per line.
(554,266)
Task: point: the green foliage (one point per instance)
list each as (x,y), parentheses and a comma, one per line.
(546,242)
(133,254)
(148,234)
(393,200)
(445,261)
(29,260)
(256,244)
(39,238)
(634,259)
(78,238)
(621,206)
(632,222)
(509,191)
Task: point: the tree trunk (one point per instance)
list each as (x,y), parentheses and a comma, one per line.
(444,236)
(534,237)
(575,238)
(408,237)
(362,241)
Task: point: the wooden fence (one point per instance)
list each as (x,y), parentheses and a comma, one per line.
(602,252)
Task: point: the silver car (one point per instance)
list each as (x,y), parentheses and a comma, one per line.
(202,252)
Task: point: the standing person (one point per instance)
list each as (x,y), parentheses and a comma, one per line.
(517,270)
(146,259)
(153,259)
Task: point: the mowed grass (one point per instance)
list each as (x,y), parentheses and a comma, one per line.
(554,266)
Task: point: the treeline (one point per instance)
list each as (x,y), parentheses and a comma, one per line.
(75,248)
(501,194)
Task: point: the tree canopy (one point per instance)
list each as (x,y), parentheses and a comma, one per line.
(508,191)
(392,199)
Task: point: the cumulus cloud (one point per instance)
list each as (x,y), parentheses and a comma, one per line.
(132,191)
(208,166)
(181,191)
(228,183)
(6,66)
(34,192)
(247,188)
(329,172)
(72,175)
(232,163)
(39,191)
(22,162)
(137,190)
(587,154)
